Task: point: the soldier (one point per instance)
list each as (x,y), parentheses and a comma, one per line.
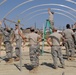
(69,43)
(74,30)
(51,17)
(8,46)
(18,39)
(1,38)
(34,40)
(55,38)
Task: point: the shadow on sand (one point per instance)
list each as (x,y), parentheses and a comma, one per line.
(48,64)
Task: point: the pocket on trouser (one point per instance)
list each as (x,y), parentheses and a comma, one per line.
(38,51)
(60,53)
(7,46)
(34,59)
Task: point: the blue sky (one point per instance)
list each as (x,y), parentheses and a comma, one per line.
(34,15)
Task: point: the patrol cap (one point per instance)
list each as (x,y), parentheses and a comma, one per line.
(32,28)
(8,28)
(16,24)
(36,31)
(54,29)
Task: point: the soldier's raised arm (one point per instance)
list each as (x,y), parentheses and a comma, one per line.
(1,28)
(1,25)
(49,11)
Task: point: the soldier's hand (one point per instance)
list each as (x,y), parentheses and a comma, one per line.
(49,9)
(0,22)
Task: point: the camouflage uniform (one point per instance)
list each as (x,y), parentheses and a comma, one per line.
(18,43)
(56,49)
(34,48)
(7,42)
(34,55)
(69,43)
(56,52)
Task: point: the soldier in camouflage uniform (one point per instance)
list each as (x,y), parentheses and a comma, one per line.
(69,43)
(34,40)
(55,38)
(18,40)
(8,46)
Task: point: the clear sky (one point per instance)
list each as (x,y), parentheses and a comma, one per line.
(35,12)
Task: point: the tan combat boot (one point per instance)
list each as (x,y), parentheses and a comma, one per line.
(17,59)
(69,58)
(10,61)
(72,58)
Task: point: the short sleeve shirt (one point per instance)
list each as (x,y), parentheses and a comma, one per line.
(33,38)
(17,34)
(56,38)
(68,34)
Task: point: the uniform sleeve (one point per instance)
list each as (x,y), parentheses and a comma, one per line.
(38,36)
(49,12)
(61,36)
(21,31)
(72,32)
(63,33)
(2,30)
(27,36)
(50,36)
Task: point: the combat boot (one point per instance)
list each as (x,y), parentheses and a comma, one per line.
(9,61)
(69,58)
(72,58)
(17,59)
(62,66)
(55,67)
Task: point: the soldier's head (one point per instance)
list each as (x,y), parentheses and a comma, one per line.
(52,12)
(8,29)
(54,29)
(16,26)
(36,31)
(32,29)
(68,26)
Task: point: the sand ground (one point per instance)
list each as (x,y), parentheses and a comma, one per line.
(45,67)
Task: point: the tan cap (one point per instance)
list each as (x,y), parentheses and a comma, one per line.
(32,28)
(8,28)
(54,28)
(17,24)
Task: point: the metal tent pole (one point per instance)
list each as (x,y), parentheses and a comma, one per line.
(20,53)
(43,42)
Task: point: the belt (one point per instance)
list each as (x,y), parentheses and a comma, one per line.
(34,45)
(6,41)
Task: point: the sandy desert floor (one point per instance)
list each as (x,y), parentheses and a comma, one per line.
(45,64)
